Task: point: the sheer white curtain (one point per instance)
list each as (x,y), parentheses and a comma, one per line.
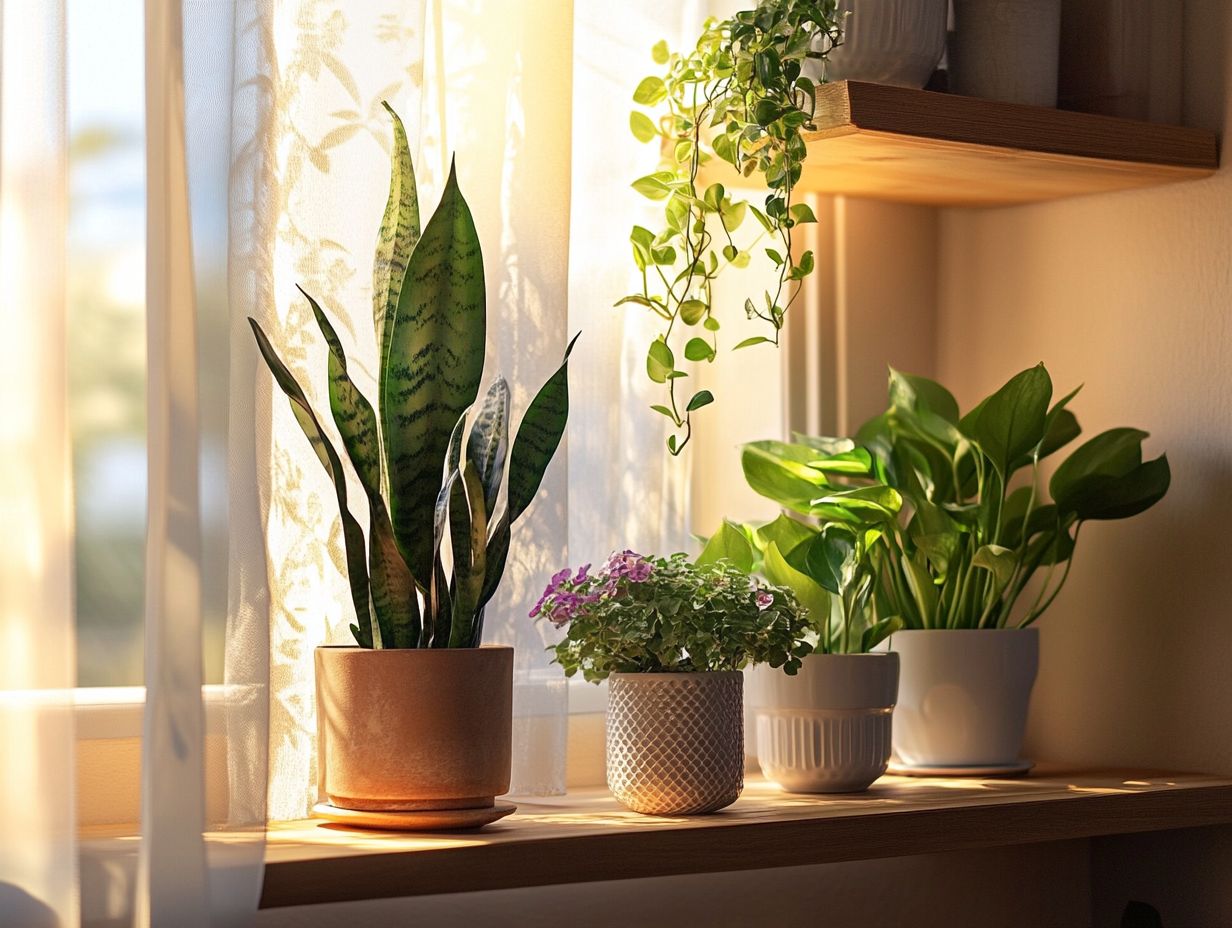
(38,871)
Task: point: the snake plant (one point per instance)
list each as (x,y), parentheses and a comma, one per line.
(442,497)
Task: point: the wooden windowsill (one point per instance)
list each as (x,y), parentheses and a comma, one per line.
(587,836)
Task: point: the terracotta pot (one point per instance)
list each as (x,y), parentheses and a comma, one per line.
(414,729)
(826,729)
(675,741)
(963,696)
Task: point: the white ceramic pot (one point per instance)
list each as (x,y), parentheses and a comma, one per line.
(963,696)
(889,41)
(826,729)
(675,741)
(1006,50)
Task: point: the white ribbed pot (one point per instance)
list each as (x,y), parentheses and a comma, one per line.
(963,695)
(826,729)
(675,741)
(1006,50)
(889,41)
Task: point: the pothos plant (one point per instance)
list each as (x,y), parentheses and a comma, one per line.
(979,541)
(739,95)
(441,500)
(663,615)
(830,562)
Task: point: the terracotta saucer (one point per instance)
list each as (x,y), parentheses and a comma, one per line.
(442,820)
(923,770)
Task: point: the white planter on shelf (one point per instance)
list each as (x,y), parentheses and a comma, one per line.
(1006,50)
(889,42)
(826,729)
(963,697)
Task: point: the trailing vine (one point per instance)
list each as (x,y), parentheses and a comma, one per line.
(739,96)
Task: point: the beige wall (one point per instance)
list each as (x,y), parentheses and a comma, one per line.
(1130,295)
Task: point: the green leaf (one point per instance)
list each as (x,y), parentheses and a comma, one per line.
(641,126)
(396,239)
(660,362)
(811,594)
(802,212)
(468,534)
(698,349)
(655,186)
(829,558)
(999,561)
(352,532)
(728,543)
(433,369)
(1108,496)
(768,476)
(700,398)
(394,596)
(692,311)
(650,91)
(489,441)
(711,324)
(713,198)
(353,414)
(879,631)
(915,394)
(1113,453)
(755,340)
(665,411)
(1011,421)
(784,531)
(538,438)
(659,52)
(863,504)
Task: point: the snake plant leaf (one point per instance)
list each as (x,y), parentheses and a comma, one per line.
(498,553)
(394,596)
(488,445)
(397,237)
(440,610)
(538,438)
(352,532)
(431,373)
(468,535)
(353,414)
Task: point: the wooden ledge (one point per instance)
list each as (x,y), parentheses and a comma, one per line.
(916,146)
(587,836)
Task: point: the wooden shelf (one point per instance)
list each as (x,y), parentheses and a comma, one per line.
(588,837)
(914,146)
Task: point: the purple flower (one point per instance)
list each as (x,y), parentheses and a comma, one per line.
(627,564)
(764,600)
(582,574)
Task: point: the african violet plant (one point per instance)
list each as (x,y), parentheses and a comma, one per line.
(740,95)
(438,535)
(658,615)
(977,543)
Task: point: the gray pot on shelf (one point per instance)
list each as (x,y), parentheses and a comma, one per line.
(1006,50)
(888,42)
(963,696)
(828,728)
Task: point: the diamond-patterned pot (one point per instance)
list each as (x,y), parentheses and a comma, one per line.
(675,741)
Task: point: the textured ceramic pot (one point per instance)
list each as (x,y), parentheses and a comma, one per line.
(963,695)
(890,41)
(675,741)
(1006,50)
(415,729)
(826,729)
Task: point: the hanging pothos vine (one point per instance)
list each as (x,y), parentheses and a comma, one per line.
(740,96)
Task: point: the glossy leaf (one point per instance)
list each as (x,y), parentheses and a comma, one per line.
(1011,421)
(1111,453)
(811,594)
(728,543)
